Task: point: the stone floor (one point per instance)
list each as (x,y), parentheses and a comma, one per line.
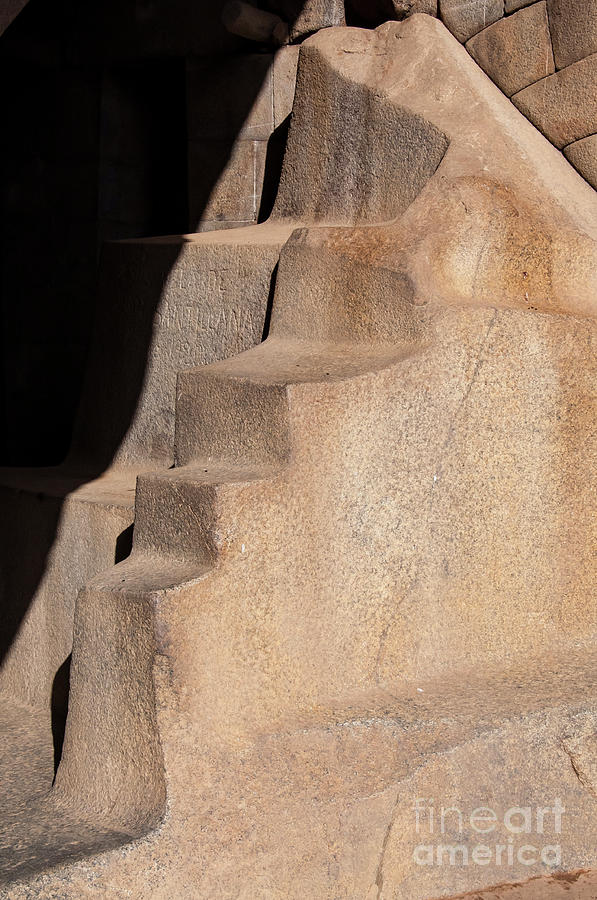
(51,835)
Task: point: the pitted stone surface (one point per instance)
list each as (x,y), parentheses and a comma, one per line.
(583,156)
(466,19)
(511,6)
(515,51)
(573,29)
(562,105)
(365,578)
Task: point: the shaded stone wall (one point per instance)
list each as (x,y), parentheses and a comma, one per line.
(242,115)
(541,53)
(148,117)
(94,148)
(544,56)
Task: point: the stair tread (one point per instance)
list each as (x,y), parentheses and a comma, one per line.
(282,361)
(36,834)
(115,487)
(33,831)
(265,233)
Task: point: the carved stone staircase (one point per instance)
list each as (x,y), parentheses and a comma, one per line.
(367,579)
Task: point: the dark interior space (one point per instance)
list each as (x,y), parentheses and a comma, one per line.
(94,147)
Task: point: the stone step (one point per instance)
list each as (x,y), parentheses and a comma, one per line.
(179,304)
(68,525)
(239,410)
(34,831)
(344,777)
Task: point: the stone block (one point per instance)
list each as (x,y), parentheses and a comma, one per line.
(284,82)
(250,22)
(563,105)
(583,156)
(67,532)
(375,12)
(178,305)
(515,51)
(402,150)
(230,99)
(225,181)
(404,8)
(573,29)
(511,6)
(466,19)
(307,16)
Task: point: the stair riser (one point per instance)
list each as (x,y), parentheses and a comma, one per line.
(231,419)
(112,766)
(332,287)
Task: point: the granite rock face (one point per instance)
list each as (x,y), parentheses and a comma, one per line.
(362,566)
(583,156)
(520,44)
(307,16)
(515,51)
(573,30)
(466,19)
(562,105)
(514,43)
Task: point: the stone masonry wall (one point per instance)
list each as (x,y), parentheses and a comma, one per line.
(540,53)
(544,56)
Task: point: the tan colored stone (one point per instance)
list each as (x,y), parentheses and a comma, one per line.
(583,156)
(184,290)
(580,885)
(563,106)
(404,8)
(235,194)
(573,29)
(68,531)
(71,525)
(284,82)
(515,51)
(464,19)
(335,187)
(511,6)
(365,580)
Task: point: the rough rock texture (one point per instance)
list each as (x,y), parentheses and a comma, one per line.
(583,156)
(71,524)
(324,180)
(512,42)
(284,78)
(515,51)
(404,8)
(573,29)
(373,12)
(466,19)
(9,11)
(367,577)
(512,5)
(563,106)
(306,16)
